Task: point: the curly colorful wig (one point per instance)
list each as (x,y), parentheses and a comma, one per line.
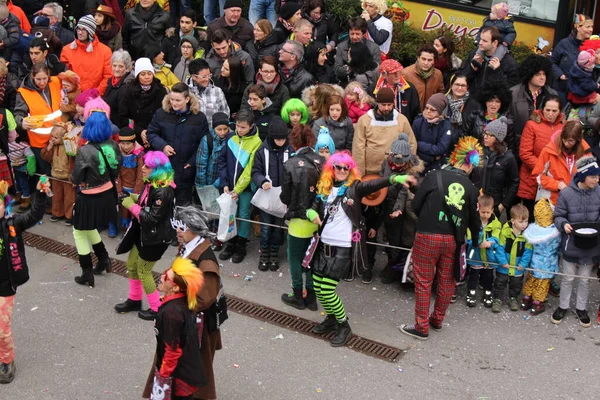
(96,105)
(468,152)
(328,176)
(162,174)
(6,198)
(294,105)
(189,278)
(97,128)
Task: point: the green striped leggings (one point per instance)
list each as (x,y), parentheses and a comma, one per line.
(327,296)
(140,269)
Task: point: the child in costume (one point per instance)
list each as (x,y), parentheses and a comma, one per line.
(178,369)
(294,112)
(13,267)
(357,100)
(324,146)
(70,90)
(480,257)
(62,164)
(545,238)
(22,161)
(130,173)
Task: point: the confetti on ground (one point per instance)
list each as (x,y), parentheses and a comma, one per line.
(280,336)
(526,317)
(253,273)
(34,308)
(322,313)
(430,365)
(280,274)
(576,370)
(248,277)
(550,349)
(319,390)
(235,275)
(235,365)
(64,267)
(374,288)
(400,369)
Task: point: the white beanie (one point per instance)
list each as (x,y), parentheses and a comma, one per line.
(143,64)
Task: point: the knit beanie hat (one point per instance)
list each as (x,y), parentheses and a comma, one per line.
(41,21)
(152,50)
(219,119)
(70,77)
(88,23)
(500,10)
(586,59)
(232,4)
(86,96)
(143,64)
(324,139)
(289,9)
(439,102)
(126,134)
(543,213)
(191,40)
(278,129)
(497,128)
(586,166)
(400,152)
(385,95)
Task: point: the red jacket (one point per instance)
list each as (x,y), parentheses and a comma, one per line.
(535,137)
(92,67)
(355,111)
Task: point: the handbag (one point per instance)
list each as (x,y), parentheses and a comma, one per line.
(268,200)
(208,196)
(161,389)
(314,242)
(541,192)
(227,226)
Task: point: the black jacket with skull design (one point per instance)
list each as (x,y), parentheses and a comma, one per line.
(459,198)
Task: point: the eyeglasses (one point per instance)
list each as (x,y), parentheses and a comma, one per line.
(570,141)
(201,76)
(460,85)
(342,168)
(282,50)
(262,71)
(165,277)
(487,134)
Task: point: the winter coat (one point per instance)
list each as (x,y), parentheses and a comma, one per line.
(458,130)
(341,57)
(355,111)
(557,168)
(433,141)
(506,27)
(143,27)
(498,177)
(513,250)
(280,33)
(12,26)
(564,55)
(342,132)
(130,173)
(258,50)
(207,172)
(59,160)
(86,172)
(278,97)
(94,68)
(536,135)
(166,76)
(212,99)
(475,122)
(460,195)
(236,161)
(14,272)
(298,188)
(545,242)
(182,69)
(521,108)
(215,62)
(171,45)
(52,61)
(242,32)
(581,83)
(426,88)
(181,131)
(233,95)
(506,73)
(139,105)
(263,118)
(480,258)
(297,80)
(324,29)
(577,205)
(373,137)
(407,101)
(114,92)
(276,160)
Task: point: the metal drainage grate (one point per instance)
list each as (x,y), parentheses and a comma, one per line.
(240,306)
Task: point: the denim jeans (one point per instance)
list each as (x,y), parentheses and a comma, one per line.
(269,235)
(244,210)
(209,10)
(260,9)
(22,180)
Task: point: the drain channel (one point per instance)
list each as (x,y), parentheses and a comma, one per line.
(236,304)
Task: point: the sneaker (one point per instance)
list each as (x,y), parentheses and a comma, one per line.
(435,326)
(526,303)
(513,303)
(217,245)
(410,330)
(554,288)
(454,295)
(68,222)
(584,318)
(496,305)
(558,315)
(471,300)
(367,276)
(537,308)
(54,218)
(7,372)
(487,299)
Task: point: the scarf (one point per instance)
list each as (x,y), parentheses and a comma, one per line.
(269,87)
(286,25)
(425,75)
(145,88)
(456,106)
(106,35)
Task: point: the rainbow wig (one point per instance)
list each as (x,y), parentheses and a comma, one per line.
(95,105)
(6,198)
(97,128)
(468,152)
(162,174)
(328,177)
(294,105)
(189,278)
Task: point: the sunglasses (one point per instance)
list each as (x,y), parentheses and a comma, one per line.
(342,168)
(165,277)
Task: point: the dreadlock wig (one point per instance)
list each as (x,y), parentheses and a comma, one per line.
(294,105)
(162,174)
(327,179)
(97,128)
(189,278)
(468,152)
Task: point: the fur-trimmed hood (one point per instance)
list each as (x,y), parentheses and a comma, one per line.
(194,104)
(309,92)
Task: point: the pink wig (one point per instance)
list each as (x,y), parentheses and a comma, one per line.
(328,176)
(96,104)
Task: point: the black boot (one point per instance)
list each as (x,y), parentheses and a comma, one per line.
(342,335)
(147,315)
(263,260)
(87,277)
(240,250)
(294,299)
(311,300)
(389,275)
(229,249)
(274,258)
(329,324)
(103,263)
(128,305)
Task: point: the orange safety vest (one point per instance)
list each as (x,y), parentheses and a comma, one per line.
(38,106)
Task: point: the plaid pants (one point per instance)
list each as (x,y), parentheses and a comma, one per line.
(536,288)
(433,255)
(7,352)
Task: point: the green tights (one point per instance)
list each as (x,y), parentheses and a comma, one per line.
(84,240)
(140,269)
(329,299)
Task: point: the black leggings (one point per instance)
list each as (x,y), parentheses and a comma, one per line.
(483,275)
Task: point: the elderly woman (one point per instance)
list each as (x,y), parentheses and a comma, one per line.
(120,64)
(269,77)
(264,42)
(149,233)
(494,99)
(108,29)
(536,135)
(324,27)
(379,28)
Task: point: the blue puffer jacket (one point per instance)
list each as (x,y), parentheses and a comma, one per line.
(433,141)
(581,83)
(545,241)
(512,250)
(207,171)
(576,205)
(479,258)
(506,27)
(276,160)
(563,57)
(236,160)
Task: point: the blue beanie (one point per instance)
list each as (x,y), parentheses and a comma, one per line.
(324,140)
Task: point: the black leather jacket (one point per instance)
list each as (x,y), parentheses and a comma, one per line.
(300,177)
(143,27)
(86,173)
(297,81)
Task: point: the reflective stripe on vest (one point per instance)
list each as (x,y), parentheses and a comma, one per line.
(38,106)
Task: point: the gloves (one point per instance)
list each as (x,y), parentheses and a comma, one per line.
(161,389)
(30,165)
(128,202)
(398,179)
(134,196)
(311,214)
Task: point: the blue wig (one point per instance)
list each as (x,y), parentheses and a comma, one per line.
(325,140)
(97,128)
